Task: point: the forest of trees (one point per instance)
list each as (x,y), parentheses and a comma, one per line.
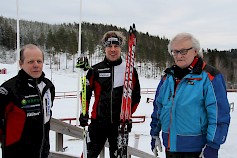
(64,38)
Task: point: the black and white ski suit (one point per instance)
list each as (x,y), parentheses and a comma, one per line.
(106,80)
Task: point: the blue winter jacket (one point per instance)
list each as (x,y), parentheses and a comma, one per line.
(195,114)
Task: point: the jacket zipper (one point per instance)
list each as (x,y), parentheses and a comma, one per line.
(42,110)
(170,122)
(173,96)
(111,95)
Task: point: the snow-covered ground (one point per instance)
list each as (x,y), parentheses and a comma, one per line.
(65,80)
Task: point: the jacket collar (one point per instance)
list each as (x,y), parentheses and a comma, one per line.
(24,76)
(195,68)
(113,63)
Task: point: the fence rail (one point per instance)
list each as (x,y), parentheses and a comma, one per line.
(135,119)
(73,94)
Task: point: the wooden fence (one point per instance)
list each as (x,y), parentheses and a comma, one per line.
(73,94)
(62,128)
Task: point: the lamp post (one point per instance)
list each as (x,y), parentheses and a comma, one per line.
(51,68)
(18,36)
(79,75)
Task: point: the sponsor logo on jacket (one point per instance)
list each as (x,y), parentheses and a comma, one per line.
(30,114)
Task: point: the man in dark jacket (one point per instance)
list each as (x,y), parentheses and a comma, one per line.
(25,108)
(106,79)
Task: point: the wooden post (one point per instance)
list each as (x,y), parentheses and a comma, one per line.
(136,141)
(59,142)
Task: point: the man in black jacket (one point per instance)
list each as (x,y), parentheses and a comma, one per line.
(106,79)
(25,105)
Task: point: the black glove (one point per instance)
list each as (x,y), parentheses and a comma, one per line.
(83,63)
(129,125)
(87,65)
(84,119)
(80,63)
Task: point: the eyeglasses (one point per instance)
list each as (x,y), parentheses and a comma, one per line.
(182,51)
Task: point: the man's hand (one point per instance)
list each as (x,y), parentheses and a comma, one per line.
(156,145)
(83,119)
(209,152)
(129,125)
(83,63)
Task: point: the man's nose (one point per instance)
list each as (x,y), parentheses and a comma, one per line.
(112,48)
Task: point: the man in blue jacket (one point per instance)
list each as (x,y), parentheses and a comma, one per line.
(191,106)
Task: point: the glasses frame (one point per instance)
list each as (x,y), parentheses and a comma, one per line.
(182,51)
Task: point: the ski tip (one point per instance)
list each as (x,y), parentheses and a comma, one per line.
(132,29)
(134,26)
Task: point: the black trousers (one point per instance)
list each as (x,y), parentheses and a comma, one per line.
(99,132)
(182,154)
(24,151)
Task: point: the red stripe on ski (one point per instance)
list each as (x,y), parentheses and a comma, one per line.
(128,84)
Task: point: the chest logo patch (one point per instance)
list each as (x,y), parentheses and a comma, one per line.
(190,82)
(104,74)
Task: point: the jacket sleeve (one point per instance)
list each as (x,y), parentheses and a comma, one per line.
(3,103)
(136,93)
(11,115)
(155,124)
(218,112)
(5,98)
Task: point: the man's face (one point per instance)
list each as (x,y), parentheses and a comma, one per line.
(113,52)
(33,62)
(183,60)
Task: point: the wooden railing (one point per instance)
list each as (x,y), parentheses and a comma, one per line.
(73,94)
(62,128)
(135,119)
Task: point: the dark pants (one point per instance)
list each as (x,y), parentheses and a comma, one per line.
(27,149)
(99,132)
(24,151)
(182,154)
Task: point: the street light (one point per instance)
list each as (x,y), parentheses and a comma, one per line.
(18,36)
(79,75)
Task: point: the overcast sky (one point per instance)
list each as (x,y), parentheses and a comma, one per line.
(213,22)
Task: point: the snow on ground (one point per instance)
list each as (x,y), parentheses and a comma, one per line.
(65,80)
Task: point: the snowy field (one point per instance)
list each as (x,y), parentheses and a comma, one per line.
(65,80)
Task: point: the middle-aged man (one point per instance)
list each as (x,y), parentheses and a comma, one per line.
(25,108)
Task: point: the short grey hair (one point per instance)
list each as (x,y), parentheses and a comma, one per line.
(30,46)
(186,36)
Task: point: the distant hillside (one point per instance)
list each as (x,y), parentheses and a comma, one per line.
(60,38)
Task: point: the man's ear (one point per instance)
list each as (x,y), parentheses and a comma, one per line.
(196,53)
(20,63)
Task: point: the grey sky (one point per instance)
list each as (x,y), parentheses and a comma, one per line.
(213,22)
